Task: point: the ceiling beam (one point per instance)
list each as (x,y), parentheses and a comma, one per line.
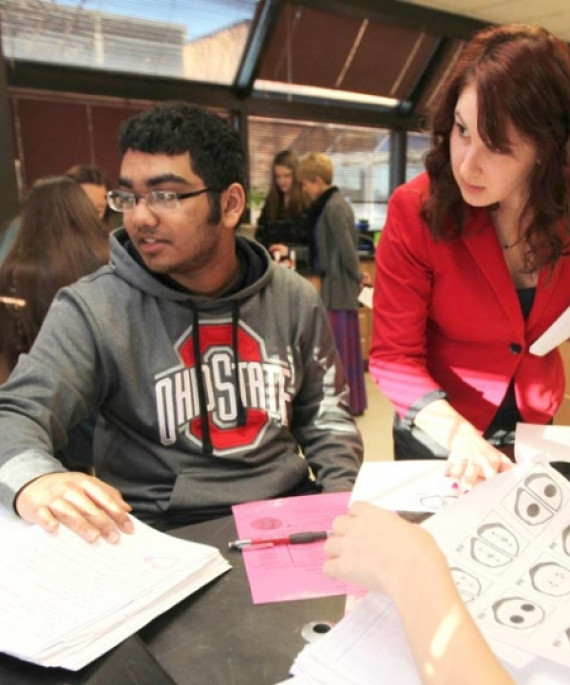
(438,55)
(89,83)
(259,36)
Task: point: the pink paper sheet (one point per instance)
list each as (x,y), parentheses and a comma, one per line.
(286,572)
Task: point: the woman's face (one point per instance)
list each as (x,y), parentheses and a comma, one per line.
(486,177)
(283,178)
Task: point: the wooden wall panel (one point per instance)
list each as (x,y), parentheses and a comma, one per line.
(54,134)
(106,122)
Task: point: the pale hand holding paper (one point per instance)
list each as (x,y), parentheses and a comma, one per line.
(508,544)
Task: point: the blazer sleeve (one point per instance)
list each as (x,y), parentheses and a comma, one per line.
(402,297)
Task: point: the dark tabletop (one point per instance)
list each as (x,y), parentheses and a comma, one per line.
(216,636)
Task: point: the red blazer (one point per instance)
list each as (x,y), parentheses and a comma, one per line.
(447,318)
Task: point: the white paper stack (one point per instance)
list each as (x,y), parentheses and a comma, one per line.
(508,545)
(66,602)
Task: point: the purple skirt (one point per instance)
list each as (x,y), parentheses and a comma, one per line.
(347,336)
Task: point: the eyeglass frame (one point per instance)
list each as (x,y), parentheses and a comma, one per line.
(144,196)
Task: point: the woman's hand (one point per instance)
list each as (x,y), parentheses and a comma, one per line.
(378,550)
(472,459)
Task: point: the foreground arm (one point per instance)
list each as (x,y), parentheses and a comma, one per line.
(52,389)
(380,551)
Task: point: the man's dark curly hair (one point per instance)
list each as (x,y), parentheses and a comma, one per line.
(173,128)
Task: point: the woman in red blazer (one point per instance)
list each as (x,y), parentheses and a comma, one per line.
(474,260)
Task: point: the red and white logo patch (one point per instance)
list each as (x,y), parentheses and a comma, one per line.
(262,384)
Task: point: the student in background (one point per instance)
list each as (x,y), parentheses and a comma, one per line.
(330,223)
(95,184)
(380,551)
(214,371)
(474,261)
(285,203)
(60,239)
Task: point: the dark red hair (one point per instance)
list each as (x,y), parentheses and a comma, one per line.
(522,76)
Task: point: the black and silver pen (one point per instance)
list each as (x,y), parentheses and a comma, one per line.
(293,539)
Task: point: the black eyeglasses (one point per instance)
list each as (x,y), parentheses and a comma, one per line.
(157,200)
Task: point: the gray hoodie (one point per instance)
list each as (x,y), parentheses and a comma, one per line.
(182,431)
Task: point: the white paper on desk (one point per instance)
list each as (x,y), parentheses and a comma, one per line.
(410,485)
(367,642)
(536,441)
(366,296)
(553,336)
(66,602)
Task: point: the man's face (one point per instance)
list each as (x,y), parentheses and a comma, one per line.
(180,243)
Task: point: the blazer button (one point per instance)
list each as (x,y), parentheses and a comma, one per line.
(515,348)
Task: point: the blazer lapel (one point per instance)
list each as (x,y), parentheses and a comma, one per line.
(481,241)
(548,281)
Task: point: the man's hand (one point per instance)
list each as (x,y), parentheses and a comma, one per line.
(86,505)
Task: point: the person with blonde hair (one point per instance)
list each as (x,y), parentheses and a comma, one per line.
(334,253)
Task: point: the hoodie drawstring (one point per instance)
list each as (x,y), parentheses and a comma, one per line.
(241,415)
(207,446)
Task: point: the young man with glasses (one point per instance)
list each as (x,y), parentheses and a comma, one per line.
(210,369)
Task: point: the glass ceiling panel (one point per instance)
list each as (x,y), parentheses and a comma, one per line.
(339,56)
(200,40)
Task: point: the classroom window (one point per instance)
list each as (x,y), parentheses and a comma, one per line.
(360,155)
(199,40)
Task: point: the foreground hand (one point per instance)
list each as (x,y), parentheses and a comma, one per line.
(472,460)
(377,549)
(85,504)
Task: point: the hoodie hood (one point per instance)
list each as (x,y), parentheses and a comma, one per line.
(256,269)
(256,266)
